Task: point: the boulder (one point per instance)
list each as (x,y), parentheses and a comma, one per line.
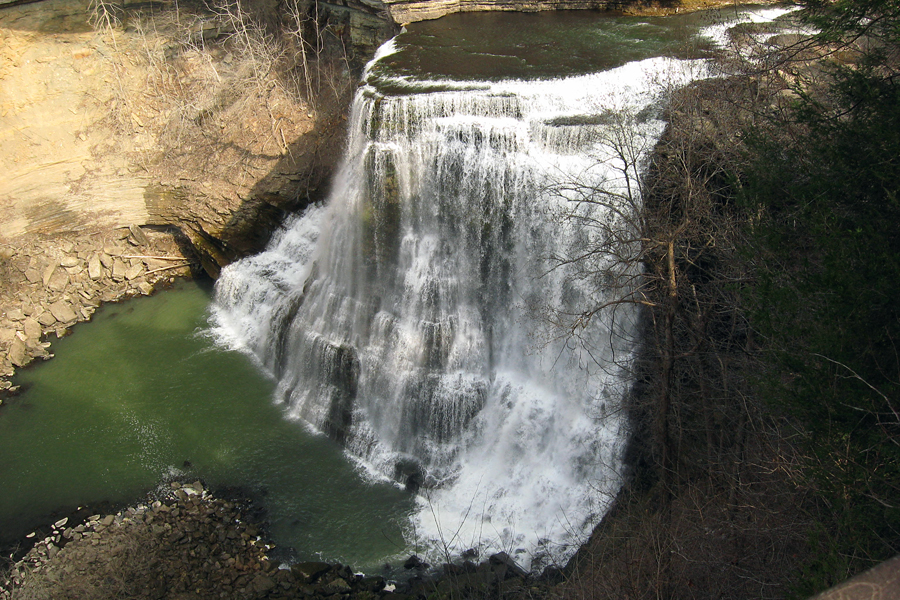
(58,280)
(134,271)
(63,312)
(46,319)
(138,235)
(32,328)
(262,584)
(338,586)
(118,269)
(309,572)
(502,559)
(18,353)
(95,268)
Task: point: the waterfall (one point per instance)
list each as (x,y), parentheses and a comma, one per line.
(404,319)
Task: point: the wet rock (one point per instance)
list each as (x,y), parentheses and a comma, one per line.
(338,586)
(262,584)
(502,559)
(309,572)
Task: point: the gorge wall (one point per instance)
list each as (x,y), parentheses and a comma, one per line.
(410,11)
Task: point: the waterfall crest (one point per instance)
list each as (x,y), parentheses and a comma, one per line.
(403,319)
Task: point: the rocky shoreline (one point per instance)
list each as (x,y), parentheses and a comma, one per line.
(188,543)
(48,284)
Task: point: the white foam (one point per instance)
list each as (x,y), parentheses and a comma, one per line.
(407,315)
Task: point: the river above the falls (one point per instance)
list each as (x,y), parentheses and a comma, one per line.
(144,394)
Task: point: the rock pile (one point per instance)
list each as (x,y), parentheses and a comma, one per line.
(49,284)
(190,544)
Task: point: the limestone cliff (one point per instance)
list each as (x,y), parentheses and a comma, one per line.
(410,11)
(192,119)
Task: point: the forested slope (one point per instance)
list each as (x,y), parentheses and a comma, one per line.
(767,419)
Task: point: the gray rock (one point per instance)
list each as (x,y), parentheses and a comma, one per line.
(118,269)
(134,271)
(32,328)
(46,319)
(95,270)
(47,274)
(62,311)
(138,235)
(18,353)
(33,275)
(58,280)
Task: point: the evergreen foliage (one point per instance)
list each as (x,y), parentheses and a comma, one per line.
(828,288)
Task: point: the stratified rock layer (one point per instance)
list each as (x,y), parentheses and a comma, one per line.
(410,11)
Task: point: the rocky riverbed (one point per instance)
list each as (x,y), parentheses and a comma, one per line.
(188,543)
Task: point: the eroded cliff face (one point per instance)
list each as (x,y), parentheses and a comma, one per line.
(191,120)
(410,11)
(147,143)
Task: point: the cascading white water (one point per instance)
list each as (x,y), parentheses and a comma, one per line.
(403,318)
